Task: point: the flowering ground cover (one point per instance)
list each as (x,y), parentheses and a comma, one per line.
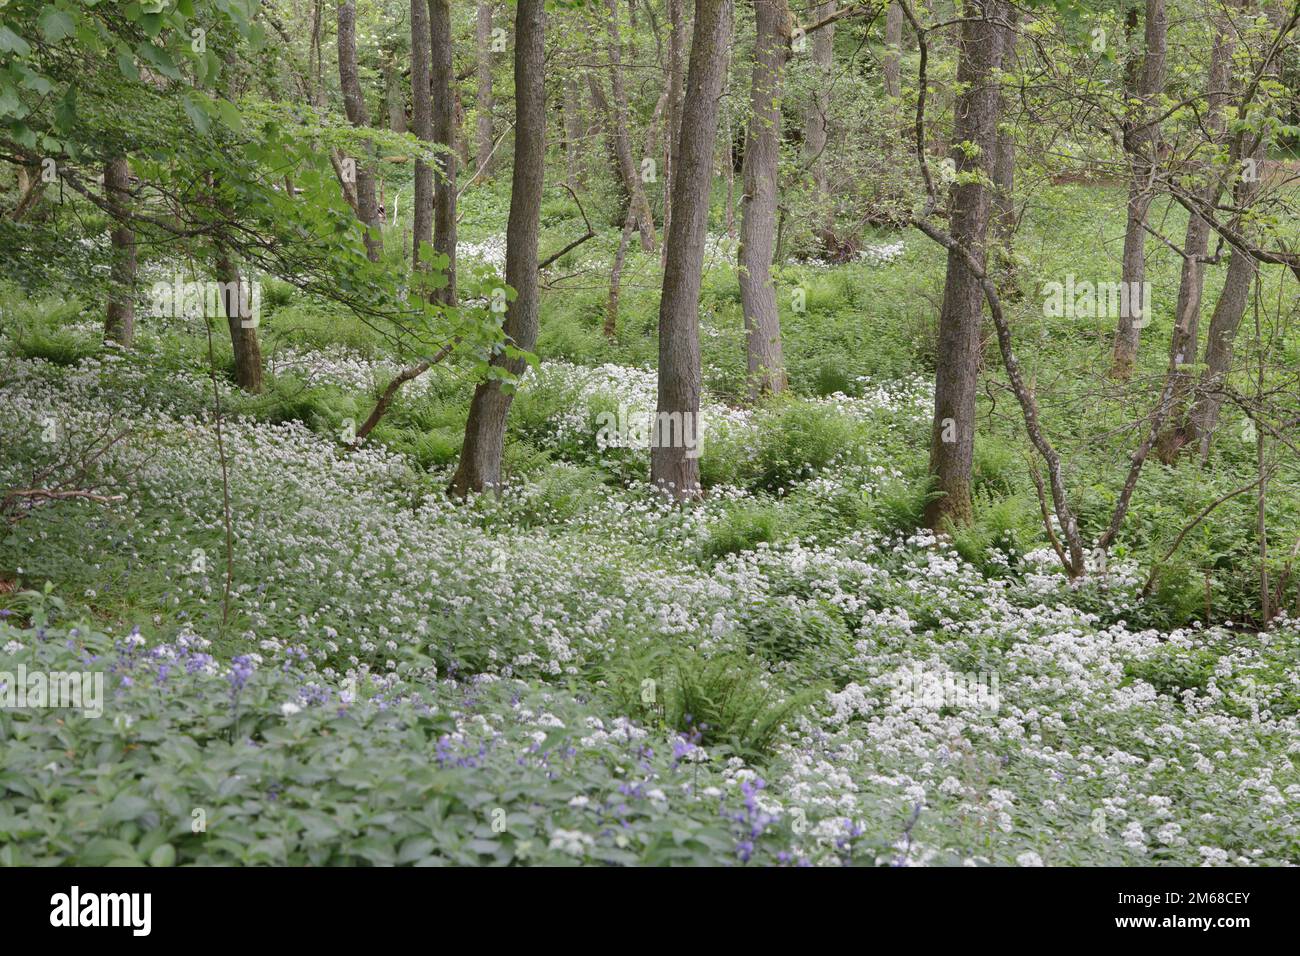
(789,672)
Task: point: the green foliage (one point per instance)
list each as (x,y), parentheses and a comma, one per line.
(743,529)
(724,702)
(800,442)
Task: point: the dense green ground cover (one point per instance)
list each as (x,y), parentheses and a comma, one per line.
(575,670)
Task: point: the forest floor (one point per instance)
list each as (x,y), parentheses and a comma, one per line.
(314,656)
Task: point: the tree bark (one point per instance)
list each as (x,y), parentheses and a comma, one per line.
(354,105)
(243,328)
(1196,242)
(759,172)
(480,458)
(483,94)
(1228,312)
(394,97)
(1004,168)
(674,467)
(444,134)
(619,123)
(1141,141)
(119,322)
(952,440)
(30,188)
(674,82)
(616,277)
(893,51)
(573,131)
(462,141)
(816,125)
(422,126)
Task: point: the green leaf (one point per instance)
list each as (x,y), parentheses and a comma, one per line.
(11,42)
(230,115)
(163,855)
(197,113)
(126,65)
(160,59)
(125,806)
(33,80)
(10,104)
(65,111)
(55,24)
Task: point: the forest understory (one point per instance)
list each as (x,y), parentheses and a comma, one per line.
(650,433)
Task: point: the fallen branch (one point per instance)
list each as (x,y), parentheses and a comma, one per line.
(390,391)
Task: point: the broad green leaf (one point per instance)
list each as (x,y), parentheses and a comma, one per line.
(56,24)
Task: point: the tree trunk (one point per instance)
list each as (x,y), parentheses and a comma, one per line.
(30,187)
(952,441)
(422,125)
(1196,242)
(815,122)
(623,137)
(354,104)
(674,80)
(1228,313)
(573,131)
(1141,141)
(893,51)
(235,298)
(759,172)
(444,133)
(616,278)
(119,323)
(1004,168)
(480,458)
(674,464)
(462,141)
(394,97)
(483,94)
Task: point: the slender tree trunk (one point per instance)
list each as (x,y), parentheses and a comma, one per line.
(623,137)
(463,159)
(952,442)
(119,323)
(891,67)
(480,458)
(354,104)
(422,126)
(1228,313)
(816,124)
(674,463)
(30,188)
(235,299)
(1004,168)
(1196,242)
(483,139)
(728,148)
(1141,142)
(444,134)
(674,82)
(573,131)
(759,172)
(394,97)
(616,277)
